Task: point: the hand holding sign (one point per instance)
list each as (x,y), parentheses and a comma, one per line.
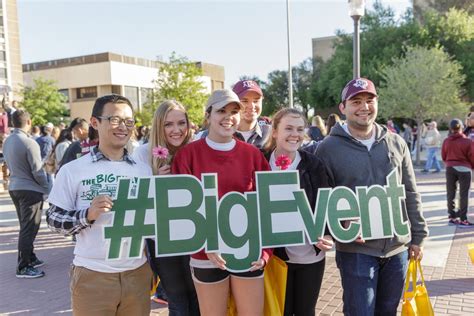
(100,204)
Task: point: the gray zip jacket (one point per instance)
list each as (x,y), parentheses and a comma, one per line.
(23,158)
(351,164)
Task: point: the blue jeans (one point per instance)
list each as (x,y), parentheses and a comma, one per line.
(371,285)
(431,158)
(175,277)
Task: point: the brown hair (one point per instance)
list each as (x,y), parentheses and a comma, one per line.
(270,144)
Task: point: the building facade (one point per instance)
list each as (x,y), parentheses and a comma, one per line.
(84,78)
(11,77)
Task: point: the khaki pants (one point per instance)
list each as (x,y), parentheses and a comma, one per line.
(98,293)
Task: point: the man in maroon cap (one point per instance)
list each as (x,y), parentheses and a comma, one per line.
(251,130)
(362,153)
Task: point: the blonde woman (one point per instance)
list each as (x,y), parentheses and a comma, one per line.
(317,130)
(170,130)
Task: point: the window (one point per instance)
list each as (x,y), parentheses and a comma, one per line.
(65,92)
(86,93)
(3,56)
(116,90)
(131,93)
(3,73)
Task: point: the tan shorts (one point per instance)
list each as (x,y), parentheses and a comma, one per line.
(99,293)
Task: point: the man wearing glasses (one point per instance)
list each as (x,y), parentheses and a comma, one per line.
(81,200)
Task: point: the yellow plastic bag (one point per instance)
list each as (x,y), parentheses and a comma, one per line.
(416,302)
(274,280)
(470,249)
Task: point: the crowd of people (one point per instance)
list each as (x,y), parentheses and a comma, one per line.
(77,168)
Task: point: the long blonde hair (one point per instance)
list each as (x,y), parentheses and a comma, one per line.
(319,123)
(270,144)
(158,137)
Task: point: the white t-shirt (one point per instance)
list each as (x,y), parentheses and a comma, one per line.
(305,254)
(366,142)
(142,154)
(76,184)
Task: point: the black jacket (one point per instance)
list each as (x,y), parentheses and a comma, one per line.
(313,176)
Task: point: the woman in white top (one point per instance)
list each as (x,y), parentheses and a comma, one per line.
(306,262)
(169,132)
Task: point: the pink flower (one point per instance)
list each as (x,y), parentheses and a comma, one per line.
(160,152)
(283,162)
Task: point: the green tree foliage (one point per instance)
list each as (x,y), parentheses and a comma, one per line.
(275,92)
(44,102)
(454,30)
(444,5)
(425,83)
(383,38)
(178,80)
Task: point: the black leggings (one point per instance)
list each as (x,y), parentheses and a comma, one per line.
(302,288)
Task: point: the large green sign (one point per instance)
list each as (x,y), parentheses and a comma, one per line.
(184,215)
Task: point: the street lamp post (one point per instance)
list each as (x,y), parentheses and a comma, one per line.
(290,78)
(356,11)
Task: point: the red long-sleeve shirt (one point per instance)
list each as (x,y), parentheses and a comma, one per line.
(458,150)
(235,170)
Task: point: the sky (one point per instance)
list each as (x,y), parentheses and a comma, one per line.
(246,37)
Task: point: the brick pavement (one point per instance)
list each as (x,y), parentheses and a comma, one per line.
(450,284)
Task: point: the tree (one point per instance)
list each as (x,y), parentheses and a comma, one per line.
(425,83)
(303,77)
(454,30)
(275,92)
(382,38)
(179,79)
(44,102)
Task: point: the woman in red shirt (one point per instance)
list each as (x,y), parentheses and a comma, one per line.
(235,163)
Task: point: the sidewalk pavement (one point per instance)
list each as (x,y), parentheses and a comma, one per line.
(448,272)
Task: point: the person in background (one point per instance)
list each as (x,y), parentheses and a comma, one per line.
(432,142)
(4,131)
(469,130)
(333,118)
(250,129)
(80,132)
(62,144)
(305,263)
(407,135)
(35,132)
(317,130)
(46,143)
(62,126)
(9,109)
(235,163)
(170,130)
(458,154)
(55,133)
(142,134)
(362,153)
(27,186)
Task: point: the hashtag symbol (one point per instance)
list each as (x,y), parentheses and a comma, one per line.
(138,230)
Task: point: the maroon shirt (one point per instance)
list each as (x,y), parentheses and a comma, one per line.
(458,150)
(4,123)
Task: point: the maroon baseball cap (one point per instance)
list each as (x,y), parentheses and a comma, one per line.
(244,86)
(356,86)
